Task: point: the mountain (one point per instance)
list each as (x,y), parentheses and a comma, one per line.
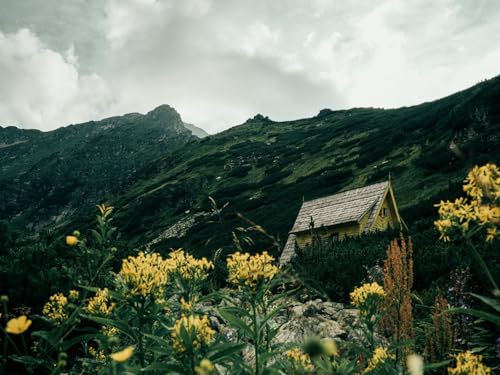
(265,169)
(159,176)
(199,132)
(48,178)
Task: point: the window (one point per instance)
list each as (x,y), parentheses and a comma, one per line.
(383,213)
(334,237)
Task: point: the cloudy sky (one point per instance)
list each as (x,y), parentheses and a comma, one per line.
(219,62)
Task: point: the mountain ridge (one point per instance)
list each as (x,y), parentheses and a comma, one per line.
(264,168)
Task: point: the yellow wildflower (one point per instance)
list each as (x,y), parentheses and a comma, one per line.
(329,347)
(73,295)
(469,364)
(379,356)
(145,274)
(366,294)
(104,210)
(198,329)
(110,331)
(187,306)
(188,267)
(99,355)
(55,309)
(300,359)
(415,364)
(481,208)
(122,355)
(16,326)
(205,367)
(250,270)
(99,304)
(71,240)
(491,234)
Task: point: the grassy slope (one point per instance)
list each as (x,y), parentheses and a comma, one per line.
(52,178)
(265,169)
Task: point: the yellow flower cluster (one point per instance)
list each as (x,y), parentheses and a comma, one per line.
(300,359)
(379,356)
(145,274)
(469,364)
(205,367)
(482,207)
(99,355)
(248,270)
(187,306)
(16,326)
(198,329)
(365,293)
(55,309)
(100,304)
(73,295)
(188,267)
(110,331)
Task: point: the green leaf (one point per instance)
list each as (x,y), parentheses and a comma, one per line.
(478,314)
(431,366)
(235,322)
(186,338)
(224,351)
(157,339)
(75,340)
(124,328)
(168,368)
(26,359)
(492,302)
(46,335)
(236,310)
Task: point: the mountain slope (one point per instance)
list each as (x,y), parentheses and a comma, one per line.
(49,178)
(159,177)
(264,169)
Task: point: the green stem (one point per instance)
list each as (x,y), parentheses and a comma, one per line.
(24,344)
(5,314)
(141,322)
(482,264)
(7,337)
(255,338)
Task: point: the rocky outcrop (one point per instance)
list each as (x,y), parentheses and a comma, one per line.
(320,319)
(302,320)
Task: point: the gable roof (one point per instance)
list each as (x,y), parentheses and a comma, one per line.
(346,207)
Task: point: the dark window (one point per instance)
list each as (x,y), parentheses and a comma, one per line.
(383,213)
(334,237)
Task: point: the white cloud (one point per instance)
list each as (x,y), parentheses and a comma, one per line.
(220,62)
(41,88)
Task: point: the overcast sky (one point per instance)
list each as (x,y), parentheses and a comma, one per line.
(219,62)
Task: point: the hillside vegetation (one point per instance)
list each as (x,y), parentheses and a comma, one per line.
(49,179)
(264,169)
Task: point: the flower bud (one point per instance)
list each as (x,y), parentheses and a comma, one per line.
(71,240)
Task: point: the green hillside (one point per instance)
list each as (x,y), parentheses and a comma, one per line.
(264,169)
(157,174)
(48,179)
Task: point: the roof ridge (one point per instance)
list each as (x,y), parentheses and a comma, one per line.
(347,191)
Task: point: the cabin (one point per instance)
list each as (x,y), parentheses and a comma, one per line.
(350,213)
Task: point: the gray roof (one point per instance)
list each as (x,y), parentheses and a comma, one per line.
(346,207)
(289,250)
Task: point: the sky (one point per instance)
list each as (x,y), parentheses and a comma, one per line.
(220,62)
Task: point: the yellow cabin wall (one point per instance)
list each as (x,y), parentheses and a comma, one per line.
(390,221)
(344,230)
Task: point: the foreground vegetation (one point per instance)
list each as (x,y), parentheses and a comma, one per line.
(157,314)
